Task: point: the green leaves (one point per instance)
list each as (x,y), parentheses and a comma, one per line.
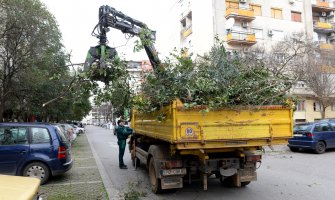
(215,80)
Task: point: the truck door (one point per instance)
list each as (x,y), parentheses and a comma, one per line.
(14,148)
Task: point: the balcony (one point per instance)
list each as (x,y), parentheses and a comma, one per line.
(241,38)
(186,32)
(326,46)
(320,6)
(327,69)
(323,27)
(242,14)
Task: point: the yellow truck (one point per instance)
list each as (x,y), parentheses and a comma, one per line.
(191,145)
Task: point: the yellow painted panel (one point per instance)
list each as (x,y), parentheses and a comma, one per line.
(251,37)
(322,4)
(324,25)
(326,46)
(269,125)
(229,36)
(240,12)
(187,31)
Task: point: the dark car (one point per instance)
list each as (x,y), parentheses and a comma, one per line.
(35,150)
(317,136)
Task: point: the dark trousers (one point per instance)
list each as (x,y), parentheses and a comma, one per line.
(122,147)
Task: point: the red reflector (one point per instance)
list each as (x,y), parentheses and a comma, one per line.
(61,152)
(309,134)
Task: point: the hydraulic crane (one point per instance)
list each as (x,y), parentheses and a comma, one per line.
(109,17)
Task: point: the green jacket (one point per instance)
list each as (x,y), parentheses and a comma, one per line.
(122,132)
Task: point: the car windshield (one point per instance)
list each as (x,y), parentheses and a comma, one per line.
(302,127)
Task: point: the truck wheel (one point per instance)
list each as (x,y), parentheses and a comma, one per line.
(154,181)
(320,147)
(227,182)
(37,170)
(243,184)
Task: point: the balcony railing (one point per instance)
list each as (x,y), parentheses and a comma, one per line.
(186,31)
(236,37)
(244,14)
(323,27)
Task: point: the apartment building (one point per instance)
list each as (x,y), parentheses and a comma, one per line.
(247,23)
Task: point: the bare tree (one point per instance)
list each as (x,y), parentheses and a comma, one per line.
(302,59)
(319,76)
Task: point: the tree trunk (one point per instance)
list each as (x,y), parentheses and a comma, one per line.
(323,112)
(1,111)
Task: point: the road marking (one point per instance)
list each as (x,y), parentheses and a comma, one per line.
(86,158)
(88,167)
(75,183)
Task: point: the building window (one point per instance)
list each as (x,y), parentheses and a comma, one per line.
(301,105)
(257,9)
(333,106)
(316,106)
(296,16)
(278,35)
(258,33)
(276,13)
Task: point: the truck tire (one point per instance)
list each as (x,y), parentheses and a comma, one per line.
(227,182)
(243,184)
(154,181)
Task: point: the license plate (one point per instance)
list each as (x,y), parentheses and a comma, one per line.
(172,172)
(298,135)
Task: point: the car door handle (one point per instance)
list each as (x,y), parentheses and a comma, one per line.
(23,152)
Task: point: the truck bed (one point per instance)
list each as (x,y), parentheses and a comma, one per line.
(225,128)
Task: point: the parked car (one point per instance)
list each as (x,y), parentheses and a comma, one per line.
(70,132)
(317,136)
(78,130)
(34,149)
(16,187)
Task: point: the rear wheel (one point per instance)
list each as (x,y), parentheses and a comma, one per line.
(154,181)
(227,182)
(294,149)
(320,147)
(243,184)
(37,170)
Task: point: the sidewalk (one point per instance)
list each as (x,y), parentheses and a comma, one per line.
(83,181)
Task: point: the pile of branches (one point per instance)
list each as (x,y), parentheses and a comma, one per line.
(217,80)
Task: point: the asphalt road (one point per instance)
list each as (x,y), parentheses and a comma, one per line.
(283,175)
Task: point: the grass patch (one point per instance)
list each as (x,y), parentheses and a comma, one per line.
(132,193)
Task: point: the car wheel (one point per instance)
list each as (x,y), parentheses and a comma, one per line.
(320,147)
(294,149)
(154,181)
(37,170)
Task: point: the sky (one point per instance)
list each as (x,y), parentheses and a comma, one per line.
(77,18)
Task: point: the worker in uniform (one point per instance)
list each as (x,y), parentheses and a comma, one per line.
(122,133)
